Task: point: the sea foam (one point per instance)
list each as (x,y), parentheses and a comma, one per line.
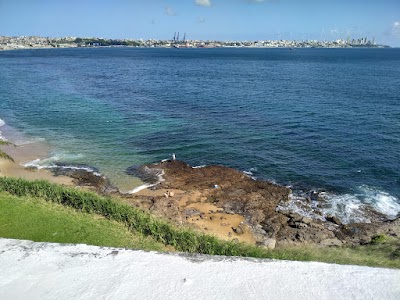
(351,207)
(41,164)
(366,205)
(2,138)
(160,177)
(199,167)
(53,162)
(18,138)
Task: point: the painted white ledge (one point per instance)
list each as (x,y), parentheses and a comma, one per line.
(31,270)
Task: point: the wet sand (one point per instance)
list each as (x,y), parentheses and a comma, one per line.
(194,210)
(23,154)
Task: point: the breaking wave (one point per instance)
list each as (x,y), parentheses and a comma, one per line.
(2,138)
(57,161)
(366,205)
(355,207)
(159,175)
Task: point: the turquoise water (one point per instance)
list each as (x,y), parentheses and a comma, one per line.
(309,118)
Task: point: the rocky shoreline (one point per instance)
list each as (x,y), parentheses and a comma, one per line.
(214,197)
(231,205)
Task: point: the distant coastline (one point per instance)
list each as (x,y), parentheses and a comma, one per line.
(36,42)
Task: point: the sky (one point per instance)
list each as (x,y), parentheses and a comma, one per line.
(205,19)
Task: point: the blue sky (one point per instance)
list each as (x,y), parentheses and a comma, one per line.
(205,19)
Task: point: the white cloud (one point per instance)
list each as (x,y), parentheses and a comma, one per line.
(203,2)
(396,28)
(169,11)
(201,20)
(393,31)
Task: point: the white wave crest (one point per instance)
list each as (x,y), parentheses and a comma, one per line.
(347,207)
(51,163)
(365,206)
(68,167)
(160,178)
(199,167)
(2,138)
(250,174)
(33,164)
(43,164)
(141,187)
(297,204)
(352,207)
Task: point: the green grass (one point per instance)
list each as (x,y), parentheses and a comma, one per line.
(41,221)
(185,240)
(383,252)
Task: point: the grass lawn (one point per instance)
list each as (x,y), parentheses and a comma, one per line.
(41,211)
(40,221)
(383,254)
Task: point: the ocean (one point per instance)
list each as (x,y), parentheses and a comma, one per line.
(312,119)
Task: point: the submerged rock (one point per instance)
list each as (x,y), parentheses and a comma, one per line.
(85,176)
(146,174)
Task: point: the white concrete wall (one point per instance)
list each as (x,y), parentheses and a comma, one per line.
(31,270)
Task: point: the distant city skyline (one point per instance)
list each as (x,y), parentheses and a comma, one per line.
(205,19)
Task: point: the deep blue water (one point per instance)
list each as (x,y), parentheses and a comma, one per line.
(310,118)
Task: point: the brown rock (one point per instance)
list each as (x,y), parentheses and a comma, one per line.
(331,242)
(269,244)
(306,220)
(333,219)
(237,230)
(319,236)
(295,217)
(318,226)
(256,201)
(301,225)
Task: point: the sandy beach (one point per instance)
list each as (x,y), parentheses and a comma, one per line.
(23,154)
